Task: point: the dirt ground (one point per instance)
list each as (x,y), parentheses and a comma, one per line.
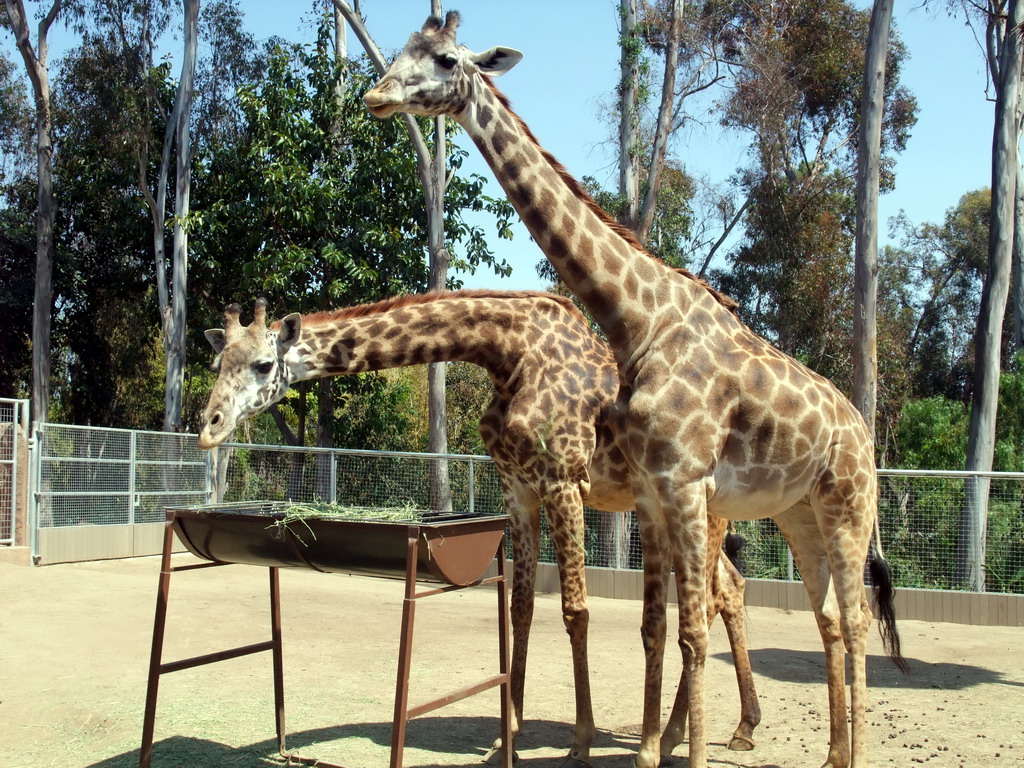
(74,647)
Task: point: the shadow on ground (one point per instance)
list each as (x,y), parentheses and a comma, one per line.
(469,736)
(809,667)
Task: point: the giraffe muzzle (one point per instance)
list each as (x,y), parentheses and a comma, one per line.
(383,99)
(216,428)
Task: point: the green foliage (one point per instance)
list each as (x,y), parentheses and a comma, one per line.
(792,274)
(469,391)
(932,434)
(1009,448)
(17,259)
(937,272)
(374,411)
(318,204)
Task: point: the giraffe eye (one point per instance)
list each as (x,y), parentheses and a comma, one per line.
(264,367)
(447,61)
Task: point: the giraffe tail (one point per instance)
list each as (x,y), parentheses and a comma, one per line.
(733,544)
(885,593)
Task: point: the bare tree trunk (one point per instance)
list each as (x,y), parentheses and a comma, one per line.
(437,398)
(872,110)
(42,308)
(432,174)
(665,111)
(629,66)
(1018,255)
(174,340)
(981,435)
(325,490)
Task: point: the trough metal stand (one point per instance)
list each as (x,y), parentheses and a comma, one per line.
(403,712)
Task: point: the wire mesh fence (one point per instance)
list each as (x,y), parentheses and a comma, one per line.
(89,476)
(353,478)
(101,476)
(11,412)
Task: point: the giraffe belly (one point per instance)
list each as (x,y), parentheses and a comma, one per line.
(755,500)
(609,496)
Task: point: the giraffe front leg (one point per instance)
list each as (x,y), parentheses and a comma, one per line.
(524,531)
(689,540)
(565,517)
(652,633)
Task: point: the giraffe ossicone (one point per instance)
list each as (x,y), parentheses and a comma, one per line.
(546,429)
(711,418)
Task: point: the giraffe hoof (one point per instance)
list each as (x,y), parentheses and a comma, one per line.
(574,761)
(496,752)
(741,744)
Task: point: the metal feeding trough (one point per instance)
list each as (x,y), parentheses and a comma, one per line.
(456,549)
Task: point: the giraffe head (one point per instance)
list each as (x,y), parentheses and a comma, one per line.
(433,74)
(251,371)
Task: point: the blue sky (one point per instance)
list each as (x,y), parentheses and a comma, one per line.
(571,65)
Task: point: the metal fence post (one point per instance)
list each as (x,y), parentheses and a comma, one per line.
(472,487)
(210,466)
(35,481)
(334,478)
(132,501)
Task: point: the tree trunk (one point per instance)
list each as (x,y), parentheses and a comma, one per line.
(665,111)
(175,332)
(437,398)
(1018,258)
(872,110)
(42,307)
(629,67)
(431,169)
(981,435)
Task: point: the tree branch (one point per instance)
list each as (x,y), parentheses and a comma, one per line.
(423,158)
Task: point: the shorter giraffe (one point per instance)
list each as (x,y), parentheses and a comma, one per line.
(546,430)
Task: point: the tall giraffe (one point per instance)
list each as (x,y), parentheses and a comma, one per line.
(546,430)
(710,417)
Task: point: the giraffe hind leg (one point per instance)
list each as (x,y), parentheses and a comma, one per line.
(725,588)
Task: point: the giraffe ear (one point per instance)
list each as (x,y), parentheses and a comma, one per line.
(216,338)
(289,333)
(496,61)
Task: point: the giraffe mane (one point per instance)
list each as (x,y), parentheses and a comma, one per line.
(577,189)
(417,299)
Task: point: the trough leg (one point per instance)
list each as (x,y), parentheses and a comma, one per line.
(156,652)
(278,655)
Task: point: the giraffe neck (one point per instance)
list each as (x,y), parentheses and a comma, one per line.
(490,329)
(598,260)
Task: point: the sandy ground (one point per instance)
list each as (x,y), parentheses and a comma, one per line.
(74,648)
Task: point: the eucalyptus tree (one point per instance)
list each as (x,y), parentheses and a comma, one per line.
(865,310)
(1005,64)
(797,70)
(669,52)
(35,55)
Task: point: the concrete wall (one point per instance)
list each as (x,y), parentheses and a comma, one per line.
(989,609)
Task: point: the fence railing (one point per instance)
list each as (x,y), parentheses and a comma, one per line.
(89,476)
